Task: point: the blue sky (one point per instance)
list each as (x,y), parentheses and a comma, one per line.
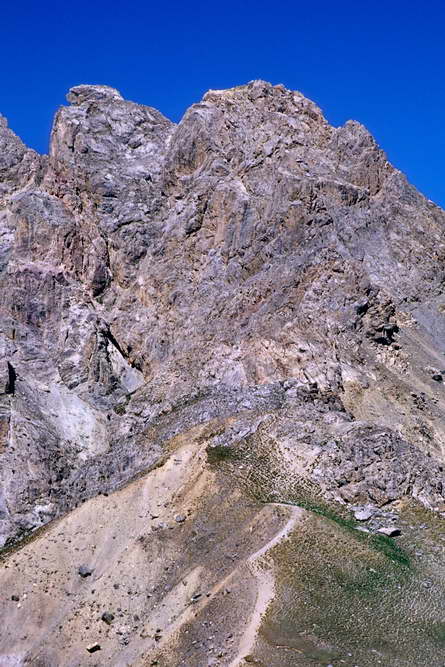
(381,63)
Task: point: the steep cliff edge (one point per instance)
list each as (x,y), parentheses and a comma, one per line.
(253,277)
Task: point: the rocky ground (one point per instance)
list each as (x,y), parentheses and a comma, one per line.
(222,390)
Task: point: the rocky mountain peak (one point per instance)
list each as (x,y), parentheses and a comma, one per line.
(88,93)
(244,309)
(263,94)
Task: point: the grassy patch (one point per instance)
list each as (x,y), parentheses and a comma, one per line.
(381,543)
(352,594)
(263,486)
(221,453)
(386,545)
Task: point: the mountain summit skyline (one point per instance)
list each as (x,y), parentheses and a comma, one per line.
(222,411)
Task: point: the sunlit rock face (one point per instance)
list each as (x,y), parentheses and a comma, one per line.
(220,340)
(156,276)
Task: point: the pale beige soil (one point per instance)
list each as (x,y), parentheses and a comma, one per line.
(146,570)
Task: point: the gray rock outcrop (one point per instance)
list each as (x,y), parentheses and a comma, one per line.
(251,262)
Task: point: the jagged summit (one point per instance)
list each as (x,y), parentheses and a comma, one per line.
(89,93)
(231,216)
(204,325)
(260,92)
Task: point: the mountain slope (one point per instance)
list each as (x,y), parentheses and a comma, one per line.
(264,289)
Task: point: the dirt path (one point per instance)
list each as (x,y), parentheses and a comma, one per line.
(265,582)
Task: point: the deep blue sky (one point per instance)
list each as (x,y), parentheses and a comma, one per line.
(381,63)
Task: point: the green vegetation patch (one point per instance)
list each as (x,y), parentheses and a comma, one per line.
(350,597)
(221,453)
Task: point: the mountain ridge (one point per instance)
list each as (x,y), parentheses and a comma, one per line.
(251,284)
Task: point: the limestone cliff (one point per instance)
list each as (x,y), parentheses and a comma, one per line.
(251,279)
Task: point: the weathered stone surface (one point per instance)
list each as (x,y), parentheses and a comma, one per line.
(107,617)
(389,531)
(364,514)
(85,571)
(93,648)
(251,263)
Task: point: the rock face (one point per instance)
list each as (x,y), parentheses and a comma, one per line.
(237,314)
(252,260)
